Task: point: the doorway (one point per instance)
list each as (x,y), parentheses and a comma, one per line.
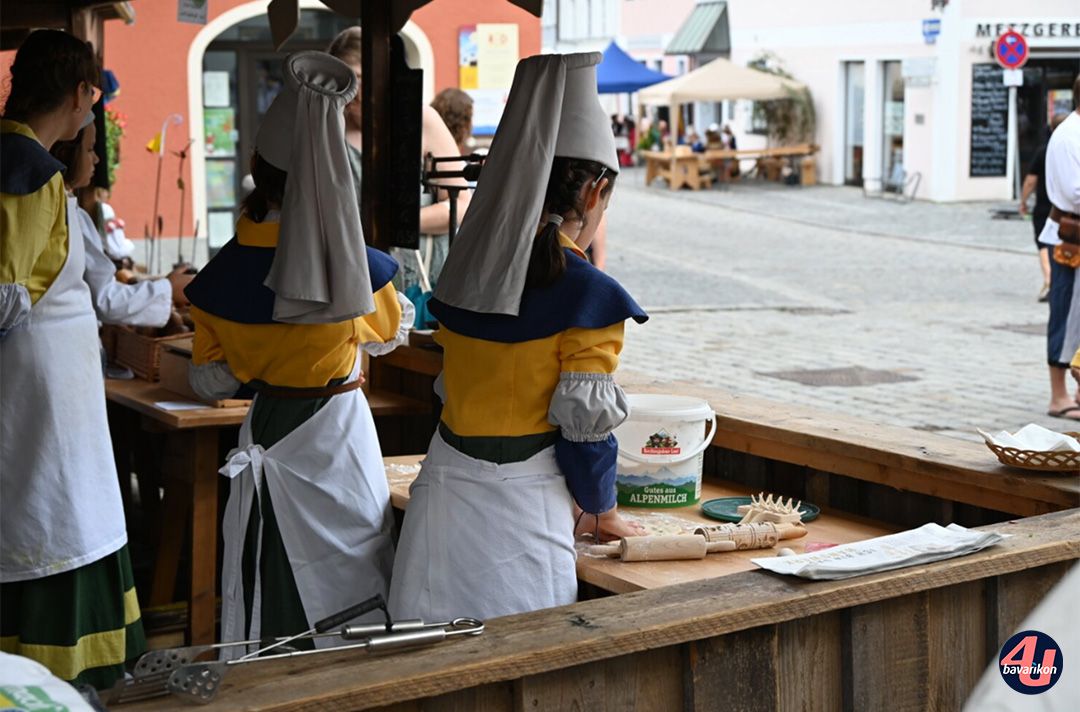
(854,104)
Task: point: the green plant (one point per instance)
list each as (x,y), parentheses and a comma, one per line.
(115,123)
(789,120)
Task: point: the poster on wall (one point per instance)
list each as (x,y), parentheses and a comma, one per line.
(989,122)
(219,126)
(221,184)
(487,57)
(467,58)
(497,55)
(215,89)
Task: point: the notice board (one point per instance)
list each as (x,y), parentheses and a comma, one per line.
(989,122)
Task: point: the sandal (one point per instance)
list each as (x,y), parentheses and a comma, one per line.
(1064,413)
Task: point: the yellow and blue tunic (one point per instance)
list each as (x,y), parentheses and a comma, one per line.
(82,624)
(233,314)
(239,347)
(514,385)
(32,221)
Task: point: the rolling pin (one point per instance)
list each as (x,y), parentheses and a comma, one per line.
(672,547)
(760,535)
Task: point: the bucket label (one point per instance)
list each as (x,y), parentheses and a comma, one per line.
(661,443)
(663,488)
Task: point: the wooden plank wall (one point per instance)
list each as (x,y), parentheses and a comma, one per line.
(921,651)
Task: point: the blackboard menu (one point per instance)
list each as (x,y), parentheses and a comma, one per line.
(989,121)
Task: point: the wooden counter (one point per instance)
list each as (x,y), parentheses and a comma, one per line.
(616,576)
(910,639)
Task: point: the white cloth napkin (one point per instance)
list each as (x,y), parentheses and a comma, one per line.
(1033,437)
(930,542)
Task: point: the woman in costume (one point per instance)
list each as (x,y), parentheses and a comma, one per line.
(67,595)
(146,303)
(284,310)
(531,334)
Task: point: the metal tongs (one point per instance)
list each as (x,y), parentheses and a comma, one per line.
(179,671)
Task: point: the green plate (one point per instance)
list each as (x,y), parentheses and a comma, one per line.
(726,509)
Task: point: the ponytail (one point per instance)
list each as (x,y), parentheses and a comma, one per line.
(547,262)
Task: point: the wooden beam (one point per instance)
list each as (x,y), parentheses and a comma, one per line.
(376,199)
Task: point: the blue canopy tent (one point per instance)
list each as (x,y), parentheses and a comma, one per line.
(619,73)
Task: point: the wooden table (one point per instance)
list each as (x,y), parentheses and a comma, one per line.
(624,577)
(677,169)
(191,494)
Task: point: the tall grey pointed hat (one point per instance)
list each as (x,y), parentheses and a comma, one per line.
(553,110)
(320,270)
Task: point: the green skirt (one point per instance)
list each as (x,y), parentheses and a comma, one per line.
(82,624)
(282,612)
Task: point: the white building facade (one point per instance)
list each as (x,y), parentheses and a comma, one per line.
(911,88)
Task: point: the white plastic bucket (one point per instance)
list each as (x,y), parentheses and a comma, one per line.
(660,450)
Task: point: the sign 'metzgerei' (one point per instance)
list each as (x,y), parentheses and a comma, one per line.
(991,30)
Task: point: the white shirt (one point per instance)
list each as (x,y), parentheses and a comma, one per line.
(148,303)
(1062,173)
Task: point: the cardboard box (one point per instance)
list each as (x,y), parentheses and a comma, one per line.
(173,371)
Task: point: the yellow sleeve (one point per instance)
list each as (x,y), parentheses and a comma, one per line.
(207,348)
(1076,359)
(34,229)
(382,324)
(591,350)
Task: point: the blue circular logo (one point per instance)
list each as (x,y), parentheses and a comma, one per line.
(1030,662)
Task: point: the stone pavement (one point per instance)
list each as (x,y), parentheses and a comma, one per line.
(759,279)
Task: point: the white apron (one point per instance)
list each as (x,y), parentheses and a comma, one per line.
(484,540)
(328,487)
(61,495)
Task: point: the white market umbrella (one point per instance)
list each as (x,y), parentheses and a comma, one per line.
(719,80)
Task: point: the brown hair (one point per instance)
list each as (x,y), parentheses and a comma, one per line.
(346,46)
(568,175)
(68,152)
(48,68)
(269,188)
(456,109)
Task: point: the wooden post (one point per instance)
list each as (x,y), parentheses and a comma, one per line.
(376,204)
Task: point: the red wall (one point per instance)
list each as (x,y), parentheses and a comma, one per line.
(150,61)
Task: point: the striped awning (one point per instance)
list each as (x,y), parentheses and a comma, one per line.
(705,31)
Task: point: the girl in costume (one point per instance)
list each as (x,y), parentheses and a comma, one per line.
(67,595)
(531,334)
(146,303)
(284,310)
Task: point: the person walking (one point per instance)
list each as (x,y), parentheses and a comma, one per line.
(1035,183)
(1062,234)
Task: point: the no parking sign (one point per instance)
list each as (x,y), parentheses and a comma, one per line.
(1011,50)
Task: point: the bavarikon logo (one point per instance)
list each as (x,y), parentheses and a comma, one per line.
(661,443)
(1031,662)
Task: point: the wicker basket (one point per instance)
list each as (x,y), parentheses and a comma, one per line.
(1061,462)
(142,354)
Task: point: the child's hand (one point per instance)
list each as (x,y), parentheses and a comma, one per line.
(610,525)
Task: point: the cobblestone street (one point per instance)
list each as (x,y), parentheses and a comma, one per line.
(757,279)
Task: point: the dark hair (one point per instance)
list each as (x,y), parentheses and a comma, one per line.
(67,152)
(346,46)
(456,109)
(48,68)
(1076,93)
(568,175)
(269,188)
